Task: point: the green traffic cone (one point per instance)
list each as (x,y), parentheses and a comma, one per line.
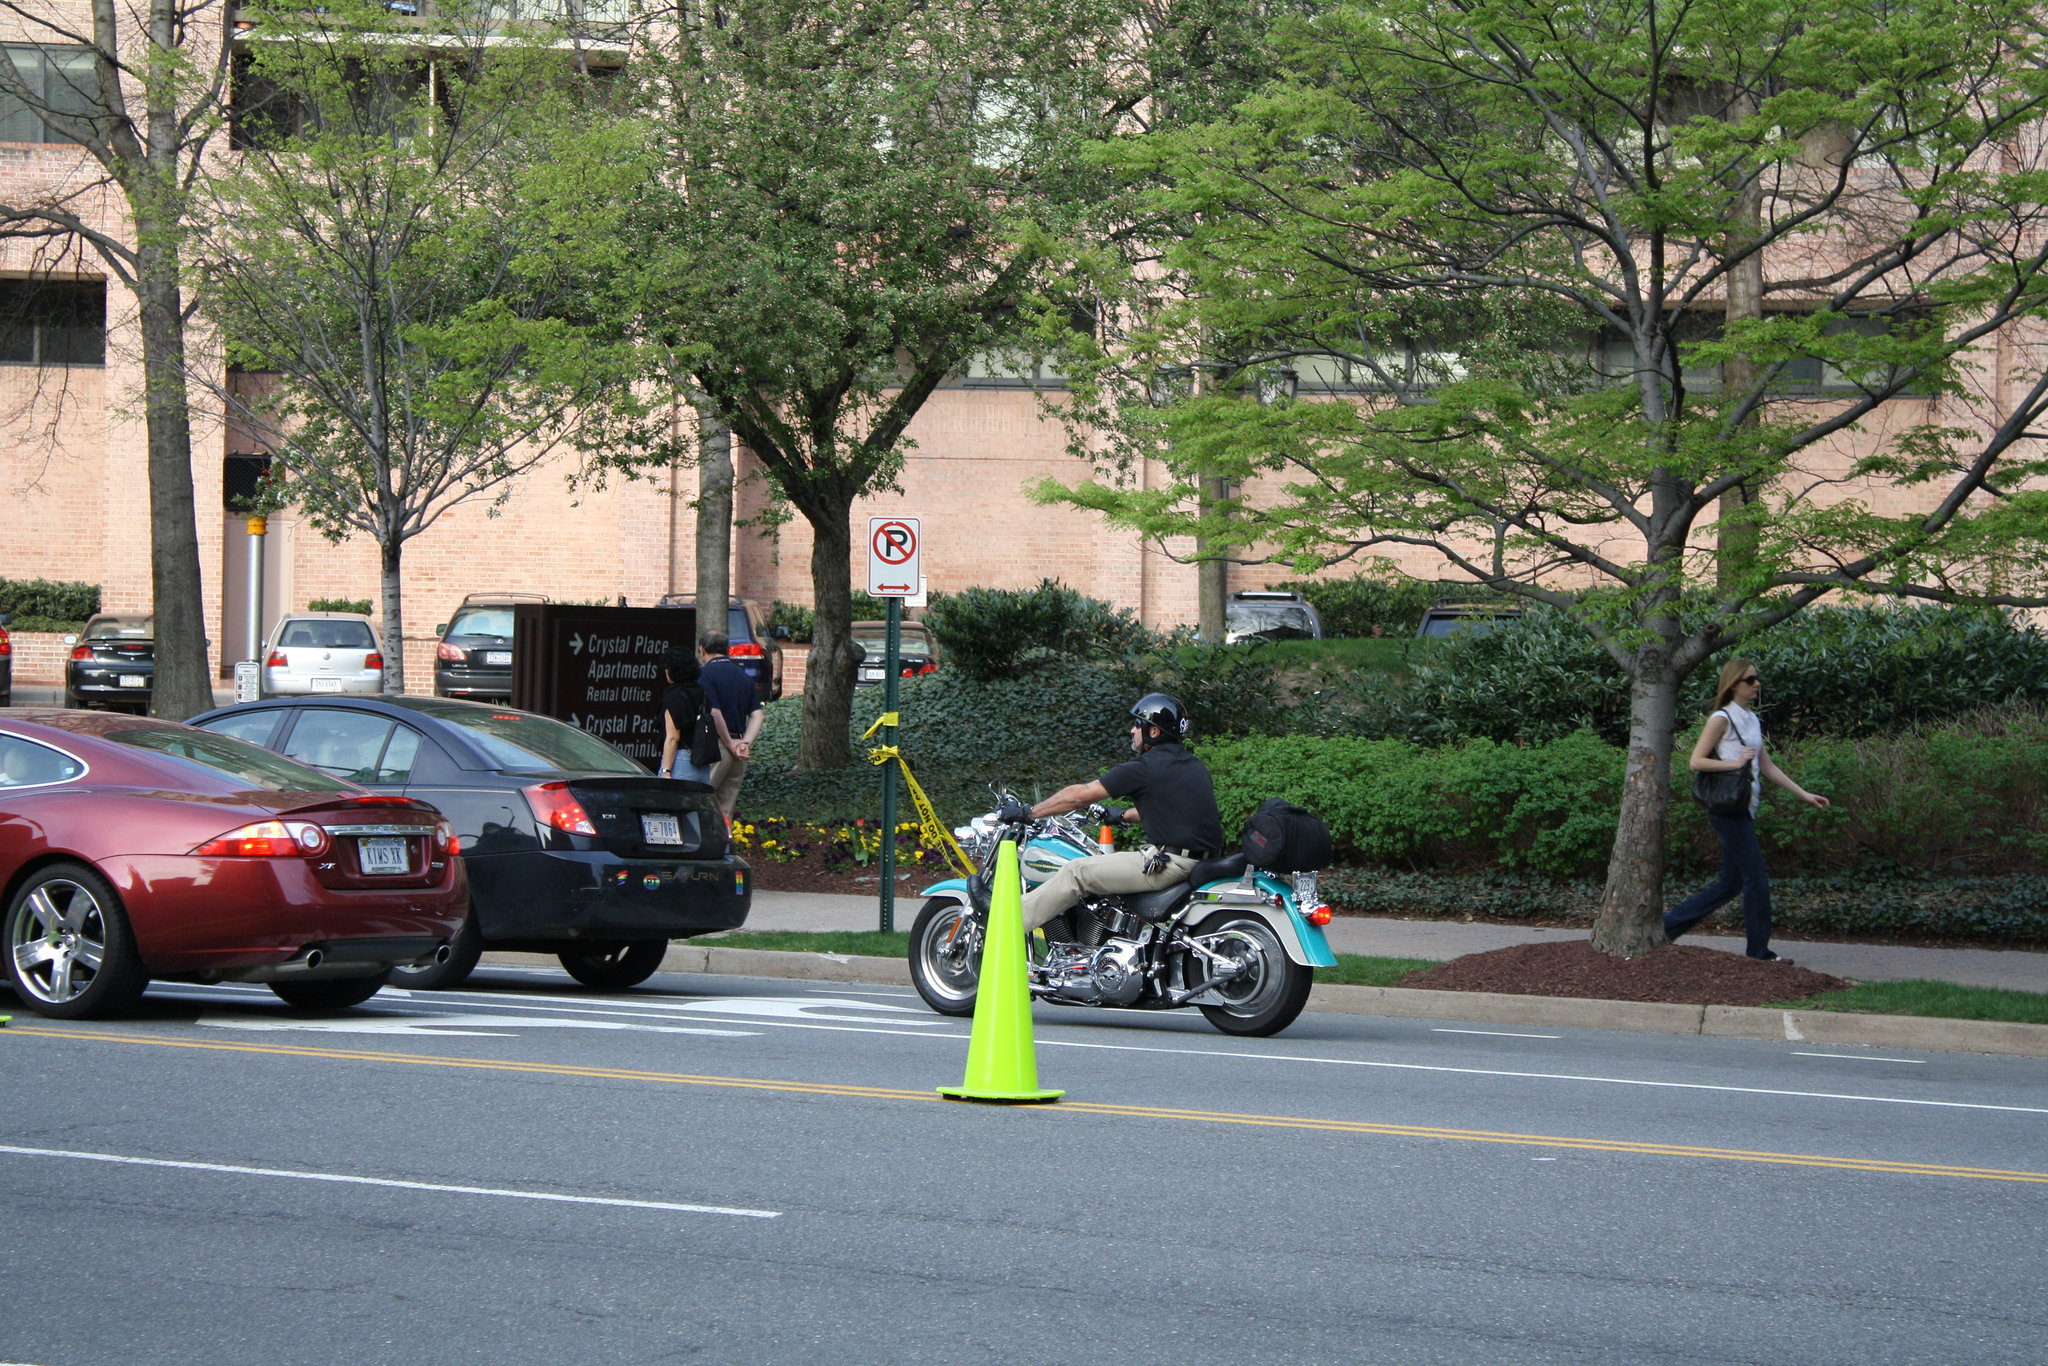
(1002,1066)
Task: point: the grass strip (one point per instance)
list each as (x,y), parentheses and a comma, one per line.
(860,943)
(1943,1000)
(1364,970)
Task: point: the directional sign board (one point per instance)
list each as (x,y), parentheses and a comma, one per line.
(599,668)
(895,557)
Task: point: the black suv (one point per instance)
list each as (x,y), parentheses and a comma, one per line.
(474,658)
(754,645)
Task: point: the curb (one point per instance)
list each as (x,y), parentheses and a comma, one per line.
(1480,1007)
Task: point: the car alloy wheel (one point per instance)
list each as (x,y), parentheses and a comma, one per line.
(69,950)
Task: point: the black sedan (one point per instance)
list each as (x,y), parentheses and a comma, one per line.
(113,663)
(572,848)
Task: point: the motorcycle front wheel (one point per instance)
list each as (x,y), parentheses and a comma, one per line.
(1271,992)
(945,956)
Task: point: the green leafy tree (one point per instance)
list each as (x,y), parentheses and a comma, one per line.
(390,274)
(142,89)
(1508,234)
(844,204)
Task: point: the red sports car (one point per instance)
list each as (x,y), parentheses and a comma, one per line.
(132,848)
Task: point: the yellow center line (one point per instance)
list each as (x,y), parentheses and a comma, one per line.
(1341,1126)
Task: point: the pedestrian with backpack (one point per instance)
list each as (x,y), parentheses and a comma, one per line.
(683,721)
(1729,766)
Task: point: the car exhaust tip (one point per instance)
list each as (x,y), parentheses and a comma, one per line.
(443,954)
(314,958)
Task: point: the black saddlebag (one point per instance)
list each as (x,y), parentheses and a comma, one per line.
(1286,839)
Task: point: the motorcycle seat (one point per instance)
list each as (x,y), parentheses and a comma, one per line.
(1155,906)
(1215,869)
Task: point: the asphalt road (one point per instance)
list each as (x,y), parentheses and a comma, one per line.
(725,1170)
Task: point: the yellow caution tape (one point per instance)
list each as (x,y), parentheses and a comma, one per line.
(936,835)
(887,718)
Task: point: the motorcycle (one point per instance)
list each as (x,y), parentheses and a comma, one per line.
(1236,942)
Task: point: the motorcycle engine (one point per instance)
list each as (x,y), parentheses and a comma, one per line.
(1112,975)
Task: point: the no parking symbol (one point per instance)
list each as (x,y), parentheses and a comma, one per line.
(895,556)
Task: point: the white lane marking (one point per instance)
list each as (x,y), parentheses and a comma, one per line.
(447,1026)
(1858,1057)
(891,995)
(1496,1033)
(1553,1076)
(342,1179)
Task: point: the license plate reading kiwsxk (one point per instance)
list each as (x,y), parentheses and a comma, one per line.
(381,856)
(662,829)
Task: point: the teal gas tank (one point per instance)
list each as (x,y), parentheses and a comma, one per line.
(1051,851)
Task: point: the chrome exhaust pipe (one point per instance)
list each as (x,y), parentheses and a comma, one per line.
(314,958)
(442,955)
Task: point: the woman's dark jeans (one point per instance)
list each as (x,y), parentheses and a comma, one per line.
(1742,870)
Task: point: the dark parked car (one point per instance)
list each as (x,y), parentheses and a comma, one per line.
(6,665)
(916,651)
(112,664)
(1457,618)
(474,658)
(755,646)
(132,848)
(573,848)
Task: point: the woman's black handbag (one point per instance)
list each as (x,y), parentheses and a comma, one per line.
(1727,792)
(1286,839)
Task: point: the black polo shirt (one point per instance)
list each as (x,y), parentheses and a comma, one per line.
(1175,798)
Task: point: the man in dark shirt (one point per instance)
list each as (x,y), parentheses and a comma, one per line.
(1176,802)
(735,712)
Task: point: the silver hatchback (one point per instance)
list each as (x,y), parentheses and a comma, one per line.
(323,652)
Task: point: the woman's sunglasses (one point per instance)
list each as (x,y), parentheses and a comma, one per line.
(1751,679)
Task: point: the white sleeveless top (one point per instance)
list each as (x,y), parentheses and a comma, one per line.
(1744,728)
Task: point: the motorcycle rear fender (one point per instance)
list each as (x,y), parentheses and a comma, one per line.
(954,887)
(1304,942)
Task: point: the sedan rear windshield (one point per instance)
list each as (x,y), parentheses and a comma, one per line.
(121,628)
(536,744)
(219,754)
(482,621)
(328,635)
(909,641)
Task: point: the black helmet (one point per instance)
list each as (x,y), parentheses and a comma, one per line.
(1157,709)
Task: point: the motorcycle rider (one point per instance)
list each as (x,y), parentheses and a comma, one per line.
(1172,789)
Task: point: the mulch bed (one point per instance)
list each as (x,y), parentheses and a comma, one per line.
(1677,973)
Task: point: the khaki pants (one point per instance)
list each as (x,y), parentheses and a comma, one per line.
(1103,874)
(726,776)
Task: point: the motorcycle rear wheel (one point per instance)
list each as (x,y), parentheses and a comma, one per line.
(1271,994)
(946,971)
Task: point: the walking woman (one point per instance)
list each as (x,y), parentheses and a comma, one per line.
(681,705)
(1734,739)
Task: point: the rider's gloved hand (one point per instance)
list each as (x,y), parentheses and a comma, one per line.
(1013,812)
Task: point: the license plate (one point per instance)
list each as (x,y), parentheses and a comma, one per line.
(498,657)
(134,680)
(326,685)
(661,829)
(382,856)
(870,673)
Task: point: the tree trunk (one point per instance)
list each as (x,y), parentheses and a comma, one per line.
(828,676)
(394,619)
(182,686)
(1631,918)
(714,518)
(1212,581)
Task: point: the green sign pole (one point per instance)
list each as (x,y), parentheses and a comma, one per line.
(892,669)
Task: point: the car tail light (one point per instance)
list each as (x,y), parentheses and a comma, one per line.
(929,667)
(277,660)
(554,805)
(745,649)
(82,652)
(452,653)
(373,660)
(1317,915)
(6,645)
(444,838)
(268,839)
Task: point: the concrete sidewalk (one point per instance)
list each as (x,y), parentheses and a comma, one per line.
(2018,969)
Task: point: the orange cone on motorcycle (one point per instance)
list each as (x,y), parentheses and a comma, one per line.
(1179,921)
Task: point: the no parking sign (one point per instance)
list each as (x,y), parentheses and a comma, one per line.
(895,557)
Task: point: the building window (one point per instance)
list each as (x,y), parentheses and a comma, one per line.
(53,322)
(61,80)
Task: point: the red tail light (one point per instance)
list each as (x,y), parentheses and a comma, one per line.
(445,840)
(82,652)
(553,805)
(452,653)
(745,649)
(1317,915)
(278,661)
(6,646)
(373,660)
(268,839)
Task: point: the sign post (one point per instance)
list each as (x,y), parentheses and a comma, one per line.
(895,564)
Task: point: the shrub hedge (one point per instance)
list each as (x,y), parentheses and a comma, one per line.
(359,606)
(995,633)
(1377,605)
(39,605)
